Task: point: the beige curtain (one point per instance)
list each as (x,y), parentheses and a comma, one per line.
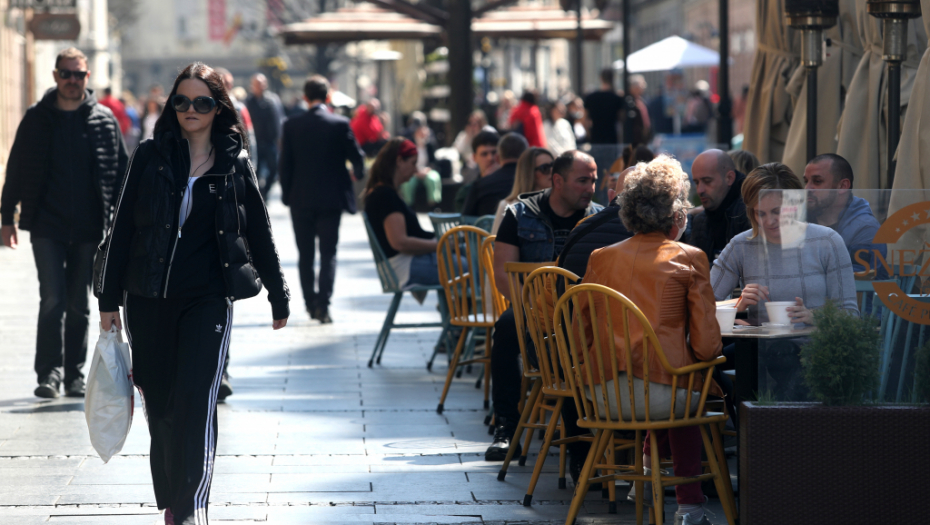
(833,79)
(913,156)
(769,107)
(862,131)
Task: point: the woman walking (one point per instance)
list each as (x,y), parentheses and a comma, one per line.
(190,236)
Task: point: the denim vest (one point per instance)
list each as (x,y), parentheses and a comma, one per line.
(537,241)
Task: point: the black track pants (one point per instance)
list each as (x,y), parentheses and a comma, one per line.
(178,349)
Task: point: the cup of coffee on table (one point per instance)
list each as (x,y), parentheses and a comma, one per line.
(726,316)
(778,312)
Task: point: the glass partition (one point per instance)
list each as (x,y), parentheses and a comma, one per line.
(867,251)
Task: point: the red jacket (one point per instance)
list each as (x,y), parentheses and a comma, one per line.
(528,115)
(119,111)
(366,126)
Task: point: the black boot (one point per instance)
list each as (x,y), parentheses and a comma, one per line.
(503,434)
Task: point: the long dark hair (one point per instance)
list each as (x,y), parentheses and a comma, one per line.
(226,120)
(382,171)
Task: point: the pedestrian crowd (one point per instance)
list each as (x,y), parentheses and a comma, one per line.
(158,207)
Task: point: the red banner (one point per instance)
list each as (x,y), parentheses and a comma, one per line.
(216,15)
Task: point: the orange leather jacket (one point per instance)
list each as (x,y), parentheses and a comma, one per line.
(670,283)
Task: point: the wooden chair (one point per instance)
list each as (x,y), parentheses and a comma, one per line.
(602,303)
(462,276)
(390,284)
(443,222)
(540,292)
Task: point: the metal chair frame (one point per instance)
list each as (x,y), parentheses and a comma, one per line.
(390,284)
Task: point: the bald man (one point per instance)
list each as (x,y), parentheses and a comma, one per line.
(267,114)
(719,186)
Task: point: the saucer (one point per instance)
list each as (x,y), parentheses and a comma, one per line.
(776,325)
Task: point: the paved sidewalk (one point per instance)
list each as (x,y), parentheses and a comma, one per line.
(311,435)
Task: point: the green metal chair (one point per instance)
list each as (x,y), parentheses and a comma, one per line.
(443,222)
(485,222)
(390,284)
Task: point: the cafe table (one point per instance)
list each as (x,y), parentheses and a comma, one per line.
(748,339)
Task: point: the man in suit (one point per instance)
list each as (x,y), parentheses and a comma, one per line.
(317,187)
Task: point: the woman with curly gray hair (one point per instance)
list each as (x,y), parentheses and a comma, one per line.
(670,283)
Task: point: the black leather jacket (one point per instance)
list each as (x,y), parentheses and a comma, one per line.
(28,168)
(137,254)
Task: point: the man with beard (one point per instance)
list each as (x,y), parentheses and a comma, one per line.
(828,179)
(64,171)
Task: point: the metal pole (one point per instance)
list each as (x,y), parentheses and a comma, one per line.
(894,117)
(811,113)
(725,106)
(579,51)
(628,100)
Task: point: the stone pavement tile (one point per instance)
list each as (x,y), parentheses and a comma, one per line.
(476,463)
(22,520)
(486,512)
(19,497)
(109,520)
(313,514)
(412,463)
(325,447)
(43,466)
(402,417)
(320,483)
(102,494)
(25,478)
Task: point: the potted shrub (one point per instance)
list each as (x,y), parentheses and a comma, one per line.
(842,459)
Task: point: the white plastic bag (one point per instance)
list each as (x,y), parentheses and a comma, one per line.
(108,402)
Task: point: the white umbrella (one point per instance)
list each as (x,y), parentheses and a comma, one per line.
(340,100)
(673,52)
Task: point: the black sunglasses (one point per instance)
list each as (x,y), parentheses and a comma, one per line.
(546,168)
(67,73)
(203,105)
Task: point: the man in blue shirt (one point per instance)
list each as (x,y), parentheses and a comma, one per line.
(828,179)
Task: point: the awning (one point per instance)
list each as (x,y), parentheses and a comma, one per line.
(863,133)
(768,105)
(673,52)
(537,23)
(843,51)
(362,22)
(367,22)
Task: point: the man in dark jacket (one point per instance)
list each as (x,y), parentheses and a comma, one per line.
(267,113)
(719,186)
(318,188)
(534,229)
(487,192)
(64,170)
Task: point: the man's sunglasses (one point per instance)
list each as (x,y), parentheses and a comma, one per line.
(202,105)
(545,169)
(65,74)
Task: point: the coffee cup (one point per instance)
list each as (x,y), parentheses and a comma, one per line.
(778,312)
(725,318)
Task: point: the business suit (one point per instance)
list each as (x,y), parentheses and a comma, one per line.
(317,187)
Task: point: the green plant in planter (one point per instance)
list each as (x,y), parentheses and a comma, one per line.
(922,374)
(841,361)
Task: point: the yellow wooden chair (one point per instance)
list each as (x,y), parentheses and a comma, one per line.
(540,292)
(605,308)
(463,276)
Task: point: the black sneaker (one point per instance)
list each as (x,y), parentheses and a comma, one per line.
(226,389)
(75,388)
(498,449)
(47,388)
(321,314)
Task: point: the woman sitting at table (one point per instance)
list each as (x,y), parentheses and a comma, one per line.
(410,249)
(782,259)
(534,173)
(670,282)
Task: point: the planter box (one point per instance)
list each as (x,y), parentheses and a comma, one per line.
(807,463)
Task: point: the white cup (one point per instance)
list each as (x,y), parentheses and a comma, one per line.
(726,317)
(778,313)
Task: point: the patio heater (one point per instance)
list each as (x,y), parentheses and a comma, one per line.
(811,17)
(894,15)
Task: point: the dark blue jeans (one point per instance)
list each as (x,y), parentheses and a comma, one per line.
(65,274)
